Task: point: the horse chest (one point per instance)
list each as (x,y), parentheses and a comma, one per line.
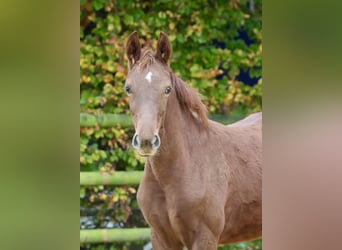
(170,212)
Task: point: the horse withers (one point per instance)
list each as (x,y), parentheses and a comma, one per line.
(202,180)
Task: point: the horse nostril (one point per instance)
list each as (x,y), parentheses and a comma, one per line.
(155,142)
(136,141)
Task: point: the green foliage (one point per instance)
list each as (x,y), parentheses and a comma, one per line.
(251,245)
(194,28)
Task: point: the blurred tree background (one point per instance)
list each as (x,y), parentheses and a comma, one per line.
(217,49)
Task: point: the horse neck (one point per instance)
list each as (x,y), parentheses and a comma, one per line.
(176,133)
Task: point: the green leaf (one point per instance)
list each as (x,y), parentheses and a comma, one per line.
(97,5)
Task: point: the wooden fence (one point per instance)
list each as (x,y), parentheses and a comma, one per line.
(117,234)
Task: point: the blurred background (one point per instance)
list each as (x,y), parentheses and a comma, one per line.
(217,49)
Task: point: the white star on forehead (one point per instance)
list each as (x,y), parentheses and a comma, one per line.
(148,77)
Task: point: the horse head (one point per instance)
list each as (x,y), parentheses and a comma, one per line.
(148,86)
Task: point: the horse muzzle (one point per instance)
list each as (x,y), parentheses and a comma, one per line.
(146,146)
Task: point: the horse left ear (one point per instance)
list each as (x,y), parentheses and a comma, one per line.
(163,48)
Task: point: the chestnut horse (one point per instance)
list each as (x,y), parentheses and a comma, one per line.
(202,180)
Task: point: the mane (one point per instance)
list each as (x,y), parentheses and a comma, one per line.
(147,59)
(190,99)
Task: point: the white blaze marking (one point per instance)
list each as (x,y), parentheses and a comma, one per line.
(148,77)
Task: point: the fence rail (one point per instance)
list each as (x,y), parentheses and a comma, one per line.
(111,120)
(114,235)
(104,120)
(117,178)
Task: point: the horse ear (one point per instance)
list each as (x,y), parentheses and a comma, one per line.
(164,48)
(133,49)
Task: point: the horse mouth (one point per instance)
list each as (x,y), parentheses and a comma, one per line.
(146,154)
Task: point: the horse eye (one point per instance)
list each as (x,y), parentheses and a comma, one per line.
(128,90)
(168,90)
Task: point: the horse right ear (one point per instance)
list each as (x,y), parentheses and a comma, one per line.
(133,49)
